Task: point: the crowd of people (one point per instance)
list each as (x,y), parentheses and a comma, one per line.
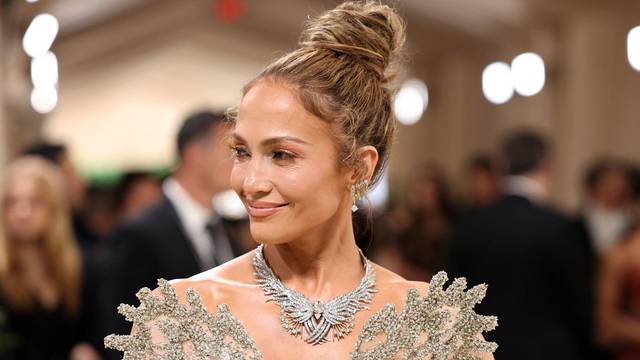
(71,252)
(563,285)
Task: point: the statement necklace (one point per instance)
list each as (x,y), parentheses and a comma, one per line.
(316,321)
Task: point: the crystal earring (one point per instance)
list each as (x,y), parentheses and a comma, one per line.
(357,192)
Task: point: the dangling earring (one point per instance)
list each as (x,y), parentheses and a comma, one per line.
(357,192)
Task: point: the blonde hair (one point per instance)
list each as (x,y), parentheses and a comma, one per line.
(342,72)
(58,245)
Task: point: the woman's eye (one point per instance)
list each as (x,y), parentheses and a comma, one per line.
(239,153)
(282,156)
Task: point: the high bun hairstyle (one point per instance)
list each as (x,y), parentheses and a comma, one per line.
(341,72)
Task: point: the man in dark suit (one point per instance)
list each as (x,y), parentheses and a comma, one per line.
(533,261)
(179,237)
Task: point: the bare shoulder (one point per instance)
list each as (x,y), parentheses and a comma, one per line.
(393,287)
(618,257)
(221,284)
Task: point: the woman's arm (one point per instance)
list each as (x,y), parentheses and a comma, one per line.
(613,325)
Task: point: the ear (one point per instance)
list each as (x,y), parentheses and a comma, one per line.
(367,161)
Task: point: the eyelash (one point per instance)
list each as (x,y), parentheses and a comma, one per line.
(240,153)
(280,155)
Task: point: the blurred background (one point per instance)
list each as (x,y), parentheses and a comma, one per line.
(129,70)
(114,80)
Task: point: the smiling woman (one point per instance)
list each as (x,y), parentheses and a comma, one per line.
(312,130)
(286,166)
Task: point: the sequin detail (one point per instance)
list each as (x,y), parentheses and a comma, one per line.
(187,331)
(442,325)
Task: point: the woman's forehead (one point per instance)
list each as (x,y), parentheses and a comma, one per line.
(22,185)
(271,109)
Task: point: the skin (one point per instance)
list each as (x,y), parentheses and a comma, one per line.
(617,326)
(286,172)
(612,190)
(26,213)
(205,166)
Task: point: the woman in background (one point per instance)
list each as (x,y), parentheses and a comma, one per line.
(40,265)
(416,244)
(618,294)
(424,243)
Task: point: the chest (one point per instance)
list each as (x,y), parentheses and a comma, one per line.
(262,322)
(42,287)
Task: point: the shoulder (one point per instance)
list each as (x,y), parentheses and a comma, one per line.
(622,254)
(220,285)
(394,285)
(393,288)
(554,216)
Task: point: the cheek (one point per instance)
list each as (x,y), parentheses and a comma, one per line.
(28,224)
(236,177)
(41,218)
(315,192)
(9,218)
(14,215)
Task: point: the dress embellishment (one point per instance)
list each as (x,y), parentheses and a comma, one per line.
(442,325)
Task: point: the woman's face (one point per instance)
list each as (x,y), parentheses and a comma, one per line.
(285,168)
(26,213)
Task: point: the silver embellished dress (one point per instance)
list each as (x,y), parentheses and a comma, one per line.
(442,325)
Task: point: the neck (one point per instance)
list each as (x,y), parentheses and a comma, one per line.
(323,264)
(532,186)
(195,188)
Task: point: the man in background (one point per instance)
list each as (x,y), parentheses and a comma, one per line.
(607,215)
(179,237)
(531,257)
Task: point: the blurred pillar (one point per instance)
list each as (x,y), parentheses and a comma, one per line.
(448,130)
(3,71)
(600,94)
(19,123)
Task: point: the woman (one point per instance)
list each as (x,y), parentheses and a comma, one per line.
(313,130)
(422,246)
(40,265)
(618,295)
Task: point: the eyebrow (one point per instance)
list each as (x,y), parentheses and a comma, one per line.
(275,140)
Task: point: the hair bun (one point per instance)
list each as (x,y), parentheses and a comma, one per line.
(372,32)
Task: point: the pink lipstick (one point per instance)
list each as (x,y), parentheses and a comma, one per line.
(260,209)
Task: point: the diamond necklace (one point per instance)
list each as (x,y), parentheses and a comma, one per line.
(318,322)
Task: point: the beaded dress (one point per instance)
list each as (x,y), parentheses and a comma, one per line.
(441,325)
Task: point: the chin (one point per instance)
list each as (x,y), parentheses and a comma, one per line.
(26,238)
(269,233)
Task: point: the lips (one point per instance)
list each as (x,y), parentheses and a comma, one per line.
(261,209)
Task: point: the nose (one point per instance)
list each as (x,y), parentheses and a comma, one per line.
(256,183)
